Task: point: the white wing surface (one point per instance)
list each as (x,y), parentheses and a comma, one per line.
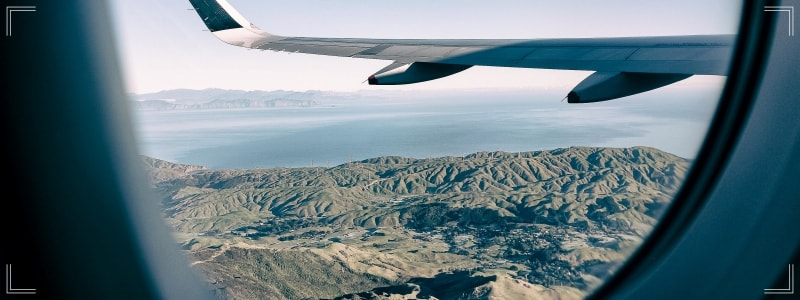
(624,66)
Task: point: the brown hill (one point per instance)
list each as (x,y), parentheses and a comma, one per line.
(578,186)
(551,223)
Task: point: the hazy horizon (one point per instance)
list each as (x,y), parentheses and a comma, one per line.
(421,125)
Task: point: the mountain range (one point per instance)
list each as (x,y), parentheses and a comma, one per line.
(540,224)
(181,99)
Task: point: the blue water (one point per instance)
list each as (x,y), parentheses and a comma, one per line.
(421,125)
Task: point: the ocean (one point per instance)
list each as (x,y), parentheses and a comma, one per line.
(422,125)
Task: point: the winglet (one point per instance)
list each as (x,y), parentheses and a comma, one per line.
(227,24)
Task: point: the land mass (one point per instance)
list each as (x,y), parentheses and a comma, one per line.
(542,225)
(187,99)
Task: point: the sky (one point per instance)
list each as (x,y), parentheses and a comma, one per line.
(164,44)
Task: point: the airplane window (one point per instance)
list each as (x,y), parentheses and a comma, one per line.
(281,164)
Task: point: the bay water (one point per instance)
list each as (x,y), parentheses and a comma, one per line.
(422,125)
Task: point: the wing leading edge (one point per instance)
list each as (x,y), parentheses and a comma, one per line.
(624,66)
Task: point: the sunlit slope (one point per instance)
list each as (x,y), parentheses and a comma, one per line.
(577,186)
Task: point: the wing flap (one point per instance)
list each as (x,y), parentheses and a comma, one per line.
(581,53)
(679,53)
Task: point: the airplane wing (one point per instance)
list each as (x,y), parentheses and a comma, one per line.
(624,66)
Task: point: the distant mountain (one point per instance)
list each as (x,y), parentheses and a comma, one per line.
(223,99)
(553,221)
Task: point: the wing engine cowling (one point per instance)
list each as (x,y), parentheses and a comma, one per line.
(602,86)
(400,73)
